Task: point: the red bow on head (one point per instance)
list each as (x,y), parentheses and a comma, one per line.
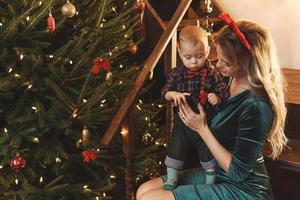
(202,72)
(90,155)
(226,18)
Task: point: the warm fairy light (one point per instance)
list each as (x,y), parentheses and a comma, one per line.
(103,101)
(17,75)
(113,8)
(74,115)
(98,150)
(113,176)
(104,194)
(121,82)
(160,106)
(101,25)
(165,144)
(110,53)
(71,62)
(1,24)
(10,70)
(36,140)
(140,101)
(5,130)
(157,143)
(28,18)
(124,131)
(51,56)
(124,27)
(146,119)
(57,160)
(125,35)
(40,3)
(41,179)
(97,198)
(104,20)
(34,108)
(125,3)
(121,66)
(21,57)
(101,105)
(1,167)
(84,100)
(160,162)
(79,140)
(76,13)
(137,179)
(17,181)
(85,187)
(138,107)
(116,48)
(29,86)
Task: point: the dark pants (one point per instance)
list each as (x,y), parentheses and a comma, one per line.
(184,140)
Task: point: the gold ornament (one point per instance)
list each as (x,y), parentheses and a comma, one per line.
(68,10)
(108,78)
(85,136)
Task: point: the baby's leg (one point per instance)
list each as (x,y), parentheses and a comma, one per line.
(148,186)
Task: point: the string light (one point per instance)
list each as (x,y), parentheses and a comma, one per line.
(51,56)
(1,167)
(138,107)
(84,100)
(29,86)
(57,160)
(1,24)
(121,66)
(17,181)
(71,62)
(104,194)
(21,57)
(36,140)
(121,82)
(10,70)
(97,198)
(125,35)
(103,101)
(28,18)
(140,101)
(124,131)
(112,176)
(17,75)
(110,53)
(5,130)
(101,25)
(40,3)
(160,106)
(85,186)
(74,115)
(123,26)
(41,179)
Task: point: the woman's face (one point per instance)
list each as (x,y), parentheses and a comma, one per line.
(226,66)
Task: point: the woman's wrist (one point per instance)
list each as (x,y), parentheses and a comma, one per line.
(203,130)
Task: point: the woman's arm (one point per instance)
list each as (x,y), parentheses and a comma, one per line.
(197,122)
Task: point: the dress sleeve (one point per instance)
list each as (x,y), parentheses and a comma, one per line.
(171,83)
(253,125)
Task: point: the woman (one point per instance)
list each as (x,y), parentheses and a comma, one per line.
(254,111)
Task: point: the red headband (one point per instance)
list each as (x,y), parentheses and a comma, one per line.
(226,18)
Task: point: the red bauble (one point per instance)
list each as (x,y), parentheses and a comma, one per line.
(133,49)
(51,23)
(140,5)
(18,163)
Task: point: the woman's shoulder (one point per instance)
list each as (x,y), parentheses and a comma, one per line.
(257,104)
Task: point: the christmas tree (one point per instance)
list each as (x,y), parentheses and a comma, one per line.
(64,69)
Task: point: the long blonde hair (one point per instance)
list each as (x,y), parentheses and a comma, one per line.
(263,71)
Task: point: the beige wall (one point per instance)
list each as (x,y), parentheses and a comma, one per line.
(281,17)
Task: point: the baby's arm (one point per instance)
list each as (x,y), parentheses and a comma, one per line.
(177,97)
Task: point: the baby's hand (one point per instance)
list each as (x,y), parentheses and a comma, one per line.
(178,97)
(213,99)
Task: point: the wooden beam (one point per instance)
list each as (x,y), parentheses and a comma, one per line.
(170,55)
(292,77)
(195,21)
(218,5)
(155,15)
(149,66)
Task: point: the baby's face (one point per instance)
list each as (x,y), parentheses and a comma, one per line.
(193,55)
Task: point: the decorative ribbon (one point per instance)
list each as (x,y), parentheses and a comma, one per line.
(89,155)
(227,19)
(98,64)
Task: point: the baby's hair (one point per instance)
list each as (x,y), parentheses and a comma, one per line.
(193,35)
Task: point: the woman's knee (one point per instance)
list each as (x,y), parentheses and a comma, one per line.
(147,186)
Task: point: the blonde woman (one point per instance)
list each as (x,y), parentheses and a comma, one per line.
(255,111)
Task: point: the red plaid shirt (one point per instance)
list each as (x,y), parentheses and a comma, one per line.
(178,81)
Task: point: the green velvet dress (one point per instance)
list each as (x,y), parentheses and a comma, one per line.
(240,126)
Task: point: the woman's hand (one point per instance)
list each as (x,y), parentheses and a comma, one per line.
(196,122)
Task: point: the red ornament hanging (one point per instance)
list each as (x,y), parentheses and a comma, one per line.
(140,5)
(133,48)
(98,64)
(18,163)
(51,23)
(89,155)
